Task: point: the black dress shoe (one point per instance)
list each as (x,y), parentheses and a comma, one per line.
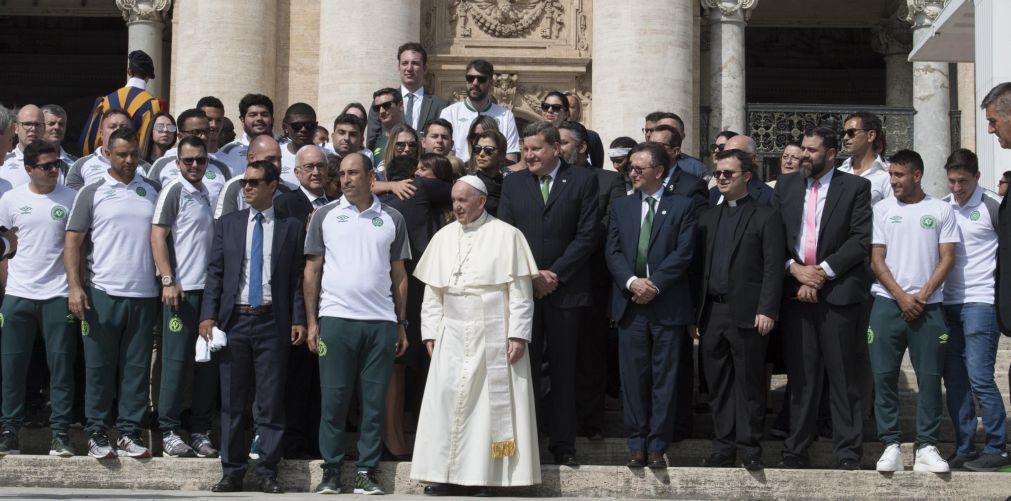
(566,459)
(443,490)
(227,484)
(269,485)
(637,459)
(794,462)
(480,492)
(753,463)
(717,460)
(657,461)
(849,464)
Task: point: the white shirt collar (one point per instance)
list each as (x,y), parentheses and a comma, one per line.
(420,93)
(268,215)
(554,172)
(824,180)
(312,197)
(139,83)
(111,181)
(973,201)
(655,195)
(375,207)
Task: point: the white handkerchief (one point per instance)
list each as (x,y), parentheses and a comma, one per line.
(203,350)
(218,339)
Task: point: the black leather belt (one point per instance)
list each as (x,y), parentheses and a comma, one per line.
(718,298)
(245,309)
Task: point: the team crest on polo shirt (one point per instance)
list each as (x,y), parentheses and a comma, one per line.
(210,175)
(974,215)
(927,222)
(58,213)
(377,221)
(141,191)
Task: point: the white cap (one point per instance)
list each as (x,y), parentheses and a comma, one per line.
(476,182)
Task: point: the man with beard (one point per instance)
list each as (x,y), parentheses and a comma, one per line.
(299,127)
(215,111)
(480,76)
(256,112)
(827,221)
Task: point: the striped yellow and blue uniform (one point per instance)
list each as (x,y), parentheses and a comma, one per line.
(139,103)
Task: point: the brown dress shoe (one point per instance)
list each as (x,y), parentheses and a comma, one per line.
(637,459)
(656,460)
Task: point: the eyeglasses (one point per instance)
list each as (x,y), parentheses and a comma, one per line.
(852,132)
(164,128)
(196,132)
(477,78)
(253,182)
(551,107)
(1002,181)
(297,126)
(729,174)
(321,167)
(791,157)
(638,170)
(193,160)
(48,166)
(382,106)
(487,150)
(405,145)
(717,147)
(32,125)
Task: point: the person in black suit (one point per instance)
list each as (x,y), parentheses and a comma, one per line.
(757,190)
(555,206)
(827,221)
(740,250)
(301,433)
(419,106)
(258,302)
(649,251)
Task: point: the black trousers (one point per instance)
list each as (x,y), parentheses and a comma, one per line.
(822,340)
(302,408)
(734,362)
(555,339)
(592,368)
(256,353)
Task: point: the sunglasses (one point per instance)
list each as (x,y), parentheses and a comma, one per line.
(196,132)
(477,78)
(404,145)
(164,128)
(48,166)
(487,150)
(194,160)
(297,126)
(551,107)
(382,106)
(729,174)
(717,147)
(253,182)
(850,133)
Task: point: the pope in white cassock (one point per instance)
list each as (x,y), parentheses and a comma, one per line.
(477,425)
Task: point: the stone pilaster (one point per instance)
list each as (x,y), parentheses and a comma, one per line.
(641,64)
(145,21)
(993,38)
(932,101)
(894,40)
(358,49)
(727,19)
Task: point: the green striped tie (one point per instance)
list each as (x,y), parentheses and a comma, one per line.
(545,187)
(644,233)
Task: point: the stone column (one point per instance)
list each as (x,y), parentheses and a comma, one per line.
(225,48)
(993,38)
(145,21)
(967,104)
(932,101)
(641,63)
(894,41)
(727,19)
(349,71)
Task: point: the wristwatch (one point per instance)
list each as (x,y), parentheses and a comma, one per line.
(402,322)
(167,280)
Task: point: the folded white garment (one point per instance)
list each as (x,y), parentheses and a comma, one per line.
(203,350)
(218,339)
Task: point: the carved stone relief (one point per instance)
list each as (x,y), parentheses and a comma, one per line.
(508,18)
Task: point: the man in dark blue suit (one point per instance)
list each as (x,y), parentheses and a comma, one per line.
(650,241)
(258,302)
(554,205)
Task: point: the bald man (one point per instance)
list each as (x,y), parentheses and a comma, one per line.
(757,190)
(30,126)
(262,147)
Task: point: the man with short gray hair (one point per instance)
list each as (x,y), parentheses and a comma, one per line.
(56,130)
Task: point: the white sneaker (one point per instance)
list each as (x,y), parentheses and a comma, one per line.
(132,446)
(928,459)
(891,459)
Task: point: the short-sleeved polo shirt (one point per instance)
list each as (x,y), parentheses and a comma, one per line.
(972,278)
(89,169)
(118,219)
(357,249)
(288,163)
(165,171)
(187,210)
(36,271)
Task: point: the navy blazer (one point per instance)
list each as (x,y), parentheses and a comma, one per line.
(682,183)
(672,243)
(563,232)
(221,289)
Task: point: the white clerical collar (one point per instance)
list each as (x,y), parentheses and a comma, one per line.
(735,203)
(477,223)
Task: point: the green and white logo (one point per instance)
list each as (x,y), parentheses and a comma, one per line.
(870,335)
(25,210)
(210,175)
(377,221)
(85,328)
(974,215)
(58,213)
(322,349)
(175,324)
(943,338)
(141,191)
(928,222)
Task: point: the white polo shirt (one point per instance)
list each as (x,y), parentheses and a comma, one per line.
(36,271)
(233,154)
(357,249)
(188,210)
(911,233)
(118,217)
(165,171)
(877,174)
(972,280)
(288,164)
(13,170)
(461,115)
(90,169)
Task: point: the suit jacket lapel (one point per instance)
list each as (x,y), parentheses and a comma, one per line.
(535,186)
(632,220)
(275,246)
(800,191)
(659,217)
(711,241)
(426,105)
(742,223)
(558,185)
(835,189)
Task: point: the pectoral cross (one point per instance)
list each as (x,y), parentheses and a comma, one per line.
(456,277)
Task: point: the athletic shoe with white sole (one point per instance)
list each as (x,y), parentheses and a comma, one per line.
(891,459)
(928,459)
(132,446)
(99,446)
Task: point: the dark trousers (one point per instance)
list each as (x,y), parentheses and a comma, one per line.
(649,355)
(684,398)
(734,361)
(179,371)
(556,338)
(591,369)
(821,340)
(256,353)
(301,433)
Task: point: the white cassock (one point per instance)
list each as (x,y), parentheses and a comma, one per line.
(477,424)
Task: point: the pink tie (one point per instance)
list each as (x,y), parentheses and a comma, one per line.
(811,226)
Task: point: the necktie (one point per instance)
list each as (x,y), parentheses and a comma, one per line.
(545,187)
(811,225)
(319,202)
(644,233)
(409,116)
(256,264)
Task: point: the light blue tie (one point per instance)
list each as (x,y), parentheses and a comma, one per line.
(256,264)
